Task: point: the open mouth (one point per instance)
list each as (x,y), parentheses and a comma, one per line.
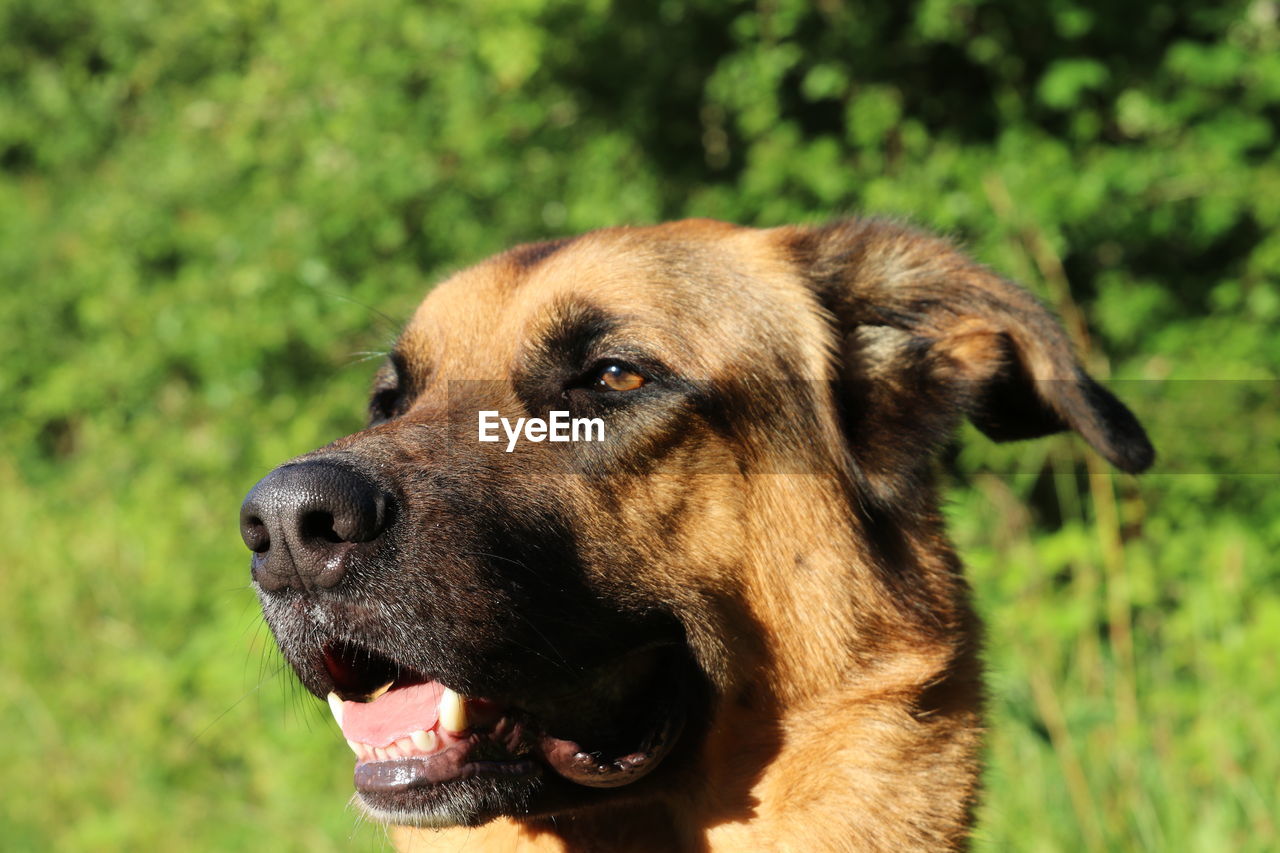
(409,731)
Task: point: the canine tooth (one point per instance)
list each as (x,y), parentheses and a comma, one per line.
(335,705)
(453,711)
(357,748)
(383,689)
(424,740)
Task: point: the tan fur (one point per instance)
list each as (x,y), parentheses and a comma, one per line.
(810,571)
(832,755)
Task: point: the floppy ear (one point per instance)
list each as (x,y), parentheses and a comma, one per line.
(927,336)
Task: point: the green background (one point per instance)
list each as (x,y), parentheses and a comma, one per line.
(199,200)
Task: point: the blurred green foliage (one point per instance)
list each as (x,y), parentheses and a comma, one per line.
(198,202)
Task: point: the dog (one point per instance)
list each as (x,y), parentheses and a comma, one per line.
(728,620)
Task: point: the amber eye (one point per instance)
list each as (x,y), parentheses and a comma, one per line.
(615,377)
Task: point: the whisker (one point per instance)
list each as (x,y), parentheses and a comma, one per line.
(387,320)
(196,740)
(365,356)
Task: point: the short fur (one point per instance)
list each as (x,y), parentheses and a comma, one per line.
(769,506)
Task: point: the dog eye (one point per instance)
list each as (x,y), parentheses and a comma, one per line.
(389,399)
(384,405)
(616,377)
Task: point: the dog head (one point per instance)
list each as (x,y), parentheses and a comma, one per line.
(510,624)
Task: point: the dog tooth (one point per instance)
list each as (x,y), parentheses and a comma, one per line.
(335,705)
(424,740)
(383,689)
(453,711)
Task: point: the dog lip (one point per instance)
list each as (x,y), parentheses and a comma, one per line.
(500,751)
(594,770)
(447,766)
(640,746)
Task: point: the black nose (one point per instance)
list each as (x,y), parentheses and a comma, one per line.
(302,521)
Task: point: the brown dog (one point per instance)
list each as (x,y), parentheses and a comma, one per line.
(726,616)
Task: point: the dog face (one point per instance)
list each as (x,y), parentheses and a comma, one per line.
(525,627)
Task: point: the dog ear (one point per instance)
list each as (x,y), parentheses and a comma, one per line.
(927,336)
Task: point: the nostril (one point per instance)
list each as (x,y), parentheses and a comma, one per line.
(319,526)
(255,534)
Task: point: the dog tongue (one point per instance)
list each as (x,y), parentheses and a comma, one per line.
(395,714)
